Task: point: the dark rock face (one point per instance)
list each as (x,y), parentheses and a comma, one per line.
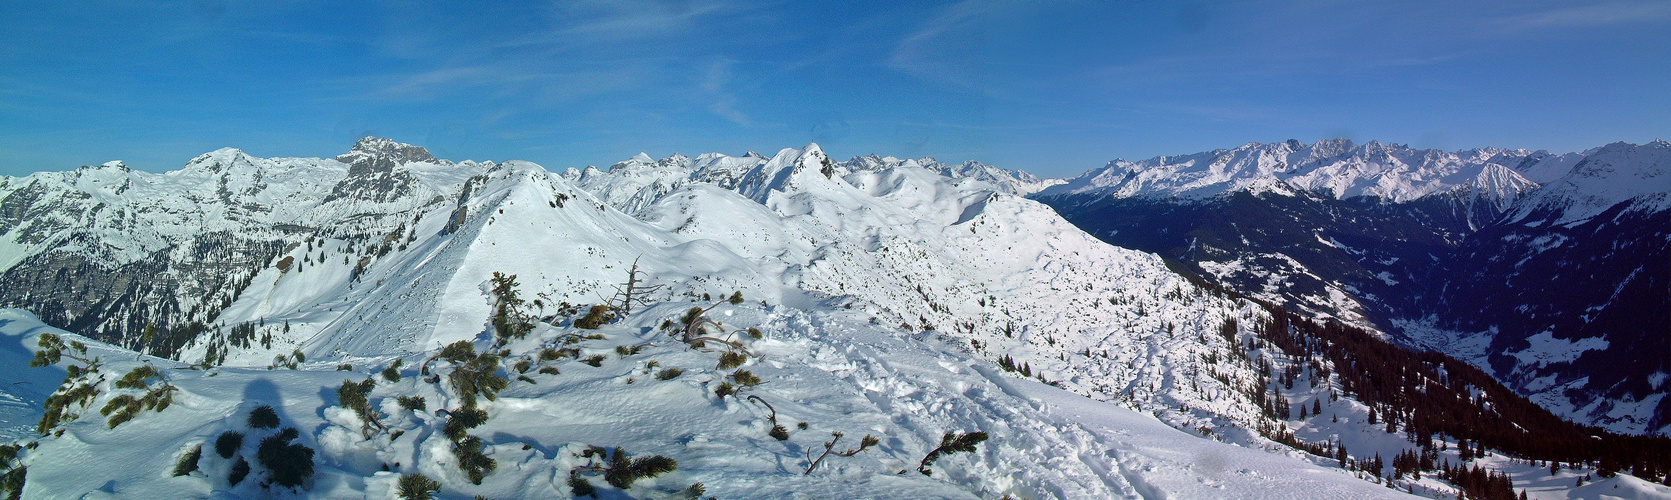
(114,303)
(375,173)
(385,148)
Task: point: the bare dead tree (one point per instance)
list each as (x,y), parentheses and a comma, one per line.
(633,292)
(829,448)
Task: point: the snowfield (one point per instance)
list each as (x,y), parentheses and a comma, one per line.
(829,369)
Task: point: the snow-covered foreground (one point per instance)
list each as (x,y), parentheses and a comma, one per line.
(825,369)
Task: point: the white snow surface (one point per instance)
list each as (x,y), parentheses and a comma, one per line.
(829,369)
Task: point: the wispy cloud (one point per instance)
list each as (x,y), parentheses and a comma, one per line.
(593,22)
(716,83)
(1606,14)
(929,52)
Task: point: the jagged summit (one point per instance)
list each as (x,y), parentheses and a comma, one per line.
(371,146)
(376,170)
(1335,168)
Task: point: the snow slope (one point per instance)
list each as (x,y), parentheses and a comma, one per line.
(829,369)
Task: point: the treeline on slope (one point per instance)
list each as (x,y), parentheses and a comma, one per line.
(1430,393)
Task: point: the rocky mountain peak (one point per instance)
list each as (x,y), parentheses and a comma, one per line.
(382,147)
(374,170)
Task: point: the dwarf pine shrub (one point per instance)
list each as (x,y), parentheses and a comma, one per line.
(951,443)
(392,373)
(417,486)
(354,396)
(188,460)
(413,403)
(596,317)
(263,417)
(228,443)
(291,464)
(462,420)
(623,471)
(239,470)
(472,461)
(474,375)
(745,378)
(580,487)
(731,359)
(15,473)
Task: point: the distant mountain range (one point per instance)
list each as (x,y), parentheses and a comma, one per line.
(1549,270)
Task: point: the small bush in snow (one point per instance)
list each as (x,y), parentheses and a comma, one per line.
(125,407)
(731,359)
(418,487)
(594,360)
(263,417)
(951,443)
(354,396)
(580,487)
(669,374)
(596,317)
(414,403)
(188,460)
(291,464)
(228,443)
(472,461)
(745,378)
(618,469)
(462,420)
(473,375)
(239,471)
(15,473)
(392,373)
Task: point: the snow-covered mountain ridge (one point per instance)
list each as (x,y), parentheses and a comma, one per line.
(1472,253)
(1336,169)
(884,295)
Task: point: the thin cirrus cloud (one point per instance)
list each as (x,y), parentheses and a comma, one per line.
(1606,14)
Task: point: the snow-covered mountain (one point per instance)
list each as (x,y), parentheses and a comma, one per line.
(1432,247)
(108,250)
(890,298)
(1568,296)
(632,184)
(1334,168)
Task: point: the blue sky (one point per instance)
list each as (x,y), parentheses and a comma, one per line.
(1054,87)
